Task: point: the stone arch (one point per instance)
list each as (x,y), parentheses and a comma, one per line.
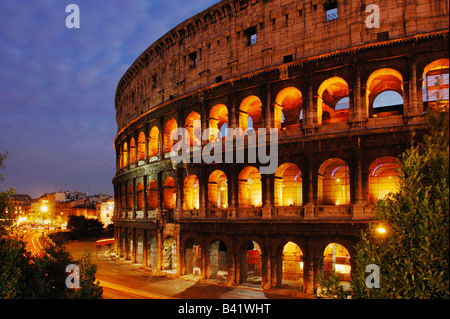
(435,82)
(218,260)
(124,155)
(336,257)
(152,196)
(330,93)
(152,249)
(379,81)
(291,274)
(139,249)
(139,196)
(288,190)
(192,257)
(169,193)
(383,177)
(251,107)
(141,146)
(334,182)
(218,117)
(195,136)
(170,254)
(132,151)
(287,108)
(153,141)
(250,263)
(170,126)
(250,187)
(191,192)
(218,189)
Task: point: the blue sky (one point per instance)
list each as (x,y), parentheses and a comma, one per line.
(57,86)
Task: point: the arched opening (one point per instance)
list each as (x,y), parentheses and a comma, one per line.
(130,197)
(292,266)
(218,262)
(191,192)
(288,186)
(154,141)
(171,125)
(334,183)
(139,249)
(249,186)
(250,107)
(192,257)
(195,136)
(125,155)
(170,255)
(218,190)
(132,151)
(139,196)
(251,263)
(152,256)
(152,195)
(383,178)
(218,119)
(435,79)
(332,101)
(287,108)
(141,146)
(336,258)
(169,193)
(384,80)
(129,247)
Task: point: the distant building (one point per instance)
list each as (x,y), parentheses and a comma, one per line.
(22,205)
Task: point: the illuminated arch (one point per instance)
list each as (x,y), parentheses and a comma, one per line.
(330,93)
(336,258)
(153,141)
(292,265)
(171,125)
(334,183)
(288,103)
(380,81)
(169,193)
(130,197)
(218,189)
(139,196)
(125,155)
(132,151)
(251,107)
(218,117)
(383,177)
(141,146)
(288,185)
(191,192)
(435,81)
(152,195)
(249,185)
(195,137)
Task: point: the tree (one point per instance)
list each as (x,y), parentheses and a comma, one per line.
(413,253)
(6,207)
(89,287)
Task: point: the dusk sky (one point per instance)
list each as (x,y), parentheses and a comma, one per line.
(57,86)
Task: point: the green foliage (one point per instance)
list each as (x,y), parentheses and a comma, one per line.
(331,287)
(89,287)
(83,227)
(413,254)
(23,276)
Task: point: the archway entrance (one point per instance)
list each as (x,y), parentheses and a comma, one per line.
(251,264)
(218,261)
(336,258)
(170,255)
(192,257)
(292,266)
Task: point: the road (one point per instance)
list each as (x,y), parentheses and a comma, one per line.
(33,242)
(123,280)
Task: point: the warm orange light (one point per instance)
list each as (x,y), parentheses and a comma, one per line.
(381,230)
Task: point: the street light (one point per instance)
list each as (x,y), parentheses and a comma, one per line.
(381,230)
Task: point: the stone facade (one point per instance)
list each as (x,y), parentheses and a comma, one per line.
(271,64)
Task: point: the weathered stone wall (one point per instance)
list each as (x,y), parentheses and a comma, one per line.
(218,37)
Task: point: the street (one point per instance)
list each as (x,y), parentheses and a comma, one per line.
(123,280)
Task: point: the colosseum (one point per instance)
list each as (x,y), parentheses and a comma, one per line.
(342,81)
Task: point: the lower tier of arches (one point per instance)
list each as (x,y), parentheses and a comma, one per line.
(268,255)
